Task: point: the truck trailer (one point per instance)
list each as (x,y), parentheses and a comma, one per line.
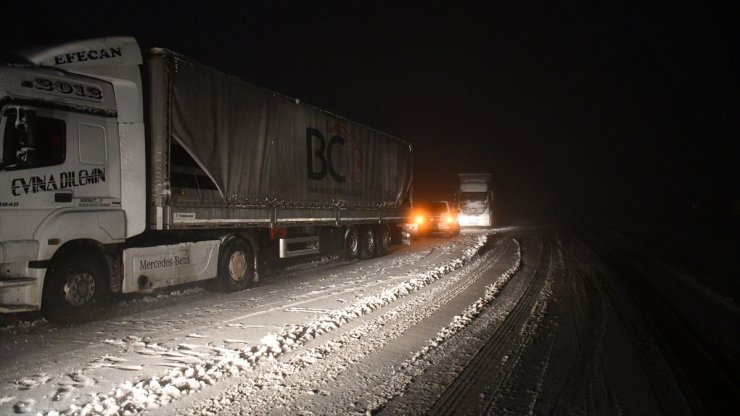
(474,200)
(124,170)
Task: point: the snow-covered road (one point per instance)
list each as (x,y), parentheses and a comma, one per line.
(518,320)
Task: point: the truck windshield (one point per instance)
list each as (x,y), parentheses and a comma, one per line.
(31,141)
(473,202)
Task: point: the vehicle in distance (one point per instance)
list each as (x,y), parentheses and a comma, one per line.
(475,200)
(434,217)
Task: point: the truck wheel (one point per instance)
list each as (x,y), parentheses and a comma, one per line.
(351,243)
(368,242)
(76,287)
(236,266)
(384,239)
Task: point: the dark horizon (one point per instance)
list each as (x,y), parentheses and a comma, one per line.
(590,112)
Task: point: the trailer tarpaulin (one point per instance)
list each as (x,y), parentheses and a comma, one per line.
(260,147)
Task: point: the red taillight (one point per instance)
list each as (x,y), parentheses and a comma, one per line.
(277,233)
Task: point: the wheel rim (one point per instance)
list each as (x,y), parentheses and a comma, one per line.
(80,289)
(386,240)
(370,239)
(237,266)
(353,243)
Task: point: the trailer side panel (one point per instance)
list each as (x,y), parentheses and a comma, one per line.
(263,149)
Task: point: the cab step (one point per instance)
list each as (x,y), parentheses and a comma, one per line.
(16,282)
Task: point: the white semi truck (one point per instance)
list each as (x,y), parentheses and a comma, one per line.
(124,170)
(474,200)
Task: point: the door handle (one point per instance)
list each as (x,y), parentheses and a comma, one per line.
(63,197)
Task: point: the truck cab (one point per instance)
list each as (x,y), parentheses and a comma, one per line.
(474,200)
(66,144)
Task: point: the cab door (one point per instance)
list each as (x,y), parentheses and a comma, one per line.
(36,168)
(55,160)
(97,162)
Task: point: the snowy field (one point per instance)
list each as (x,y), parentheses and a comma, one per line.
(506,321)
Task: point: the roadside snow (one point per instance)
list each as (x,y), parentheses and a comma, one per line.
(24,327)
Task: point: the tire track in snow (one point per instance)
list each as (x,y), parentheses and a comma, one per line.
(517,319)
(496,351)
(301,376)
(383,386)
(396,336)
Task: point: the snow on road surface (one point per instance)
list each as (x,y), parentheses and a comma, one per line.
(513,321)
(175,368)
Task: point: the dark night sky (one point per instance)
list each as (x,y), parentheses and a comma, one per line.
(578,111)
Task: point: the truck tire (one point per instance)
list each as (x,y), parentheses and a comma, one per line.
(384,239)
(235,266)
(76,287)
(351,243)
(368,242)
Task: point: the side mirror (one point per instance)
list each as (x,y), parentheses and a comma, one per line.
(25,155)
(21,121)
(25,147)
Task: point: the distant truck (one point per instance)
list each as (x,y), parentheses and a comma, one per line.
(474,200)
(125,170)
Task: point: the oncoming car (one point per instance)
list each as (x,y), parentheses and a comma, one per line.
(434,217)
